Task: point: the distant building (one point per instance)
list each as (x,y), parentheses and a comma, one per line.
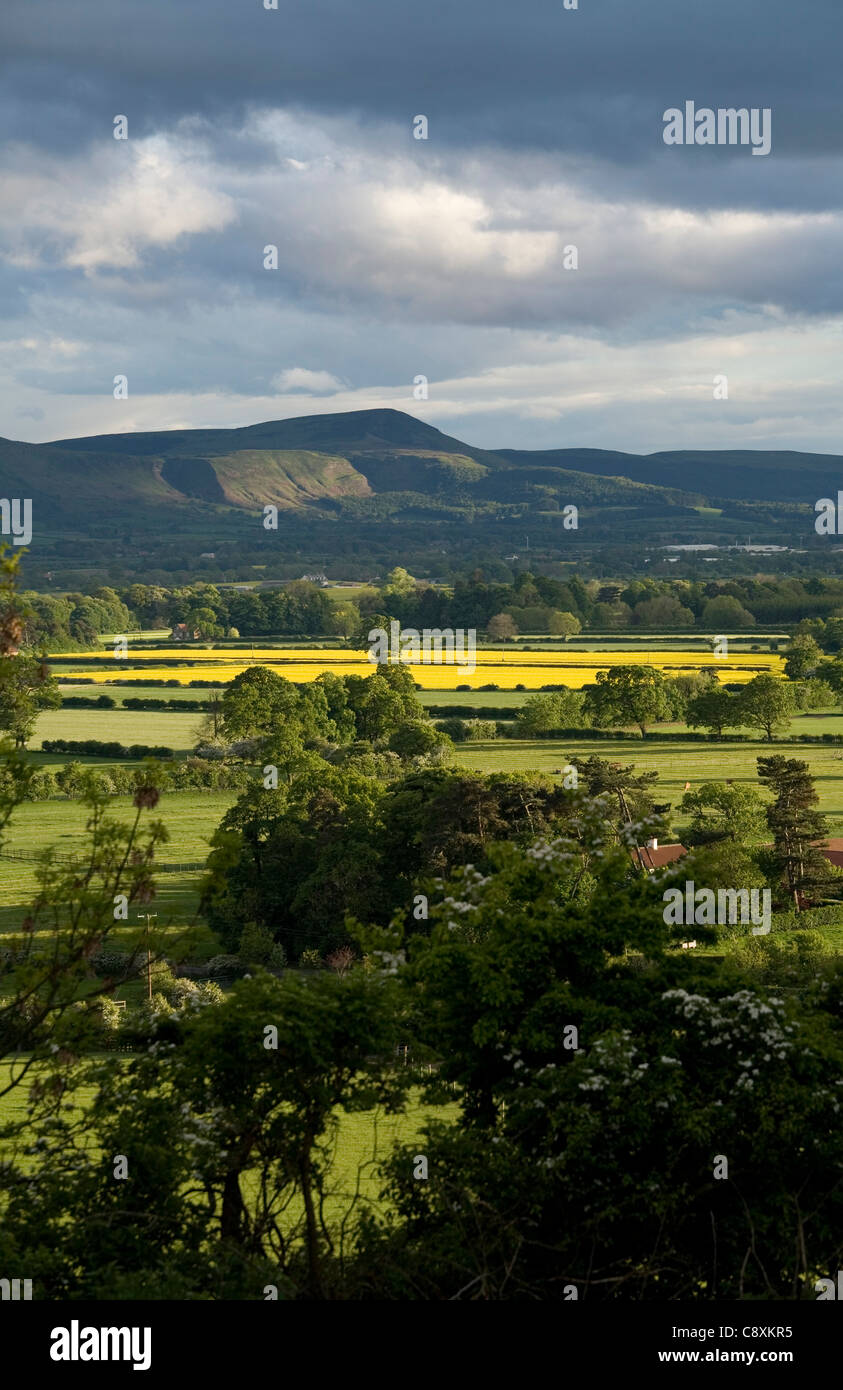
(655,856)
(208,555)
(320,579)
(182,633)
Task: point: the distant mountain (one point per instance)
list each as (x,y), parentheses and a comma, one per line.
(394,452)
(187,491)
(369,430)
(753,475)
(306,462)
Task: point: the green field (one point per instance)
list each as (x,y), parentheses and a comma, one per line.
(120,692)
(676,763)
(190,817)
(510,699)
(178,731)
(363,1139)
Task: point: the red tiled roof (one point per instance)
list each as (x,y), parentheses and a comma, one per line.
(665,854)
(668,854)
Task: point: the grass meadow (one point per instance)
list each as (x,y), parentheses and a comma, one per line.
(360,1141)
(159,727)
(676,763)
(190,817)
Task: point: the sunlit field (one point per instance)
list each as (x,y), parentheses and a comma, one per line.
(505,668)
(357,1143)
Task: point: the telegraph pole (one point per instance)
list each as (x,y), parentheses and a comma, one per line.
(147,916)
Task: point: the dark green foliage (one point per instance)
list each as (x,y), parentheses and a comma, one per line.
(91,702)
(96,748)
(798,830)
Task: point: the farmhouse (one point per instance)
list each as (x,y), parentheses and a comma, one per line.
(182,633)
(655,856)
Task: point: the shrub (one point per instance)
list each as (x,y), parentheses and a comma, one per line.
(226,968)
(210,993)
(163,979)
(310,959)
(256,944)
(117,965)
(88,702)
(482,729)
(341,960)
(277,957)
(42,786)
(456,729)
(182,990)
(209,751)
(96,748)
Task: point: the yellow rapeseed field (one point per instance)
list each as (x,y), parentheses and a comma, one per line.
(505,668)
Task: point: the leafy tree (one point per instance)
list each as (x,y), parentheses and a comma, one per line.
(559,709)
(258,702)
(663,611)
(725,612)
(766,703)
(611,616)
(400,679)
(802,657)
(628,695)
(812,694)
(230,1137)
(563,624)
(714,709)
(382,702)
(381,710)
(339,711)
(399,584)
(204,620)
(299,858)
(256,944)
(26,688)
(345,620)
(589,1161)
(720,811)
(370,621)
(417,738)
(501,628)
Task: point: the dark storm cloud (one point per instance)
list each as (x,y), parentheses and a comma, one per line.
(594,81)
(444,257)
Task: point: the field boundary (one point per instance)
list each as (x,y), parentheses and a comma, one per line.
(27,857)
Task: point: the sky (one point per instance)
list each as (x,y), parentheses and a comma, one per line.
(441,258)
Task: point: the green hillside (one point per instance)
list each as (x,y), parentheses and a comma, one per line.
(753,475)
(382,487)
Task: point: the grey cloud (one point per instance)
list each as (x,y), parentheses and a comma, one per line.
(595,80)
(440,257)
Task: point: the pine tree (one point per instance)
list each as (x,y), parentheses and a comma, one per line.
(796,827)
